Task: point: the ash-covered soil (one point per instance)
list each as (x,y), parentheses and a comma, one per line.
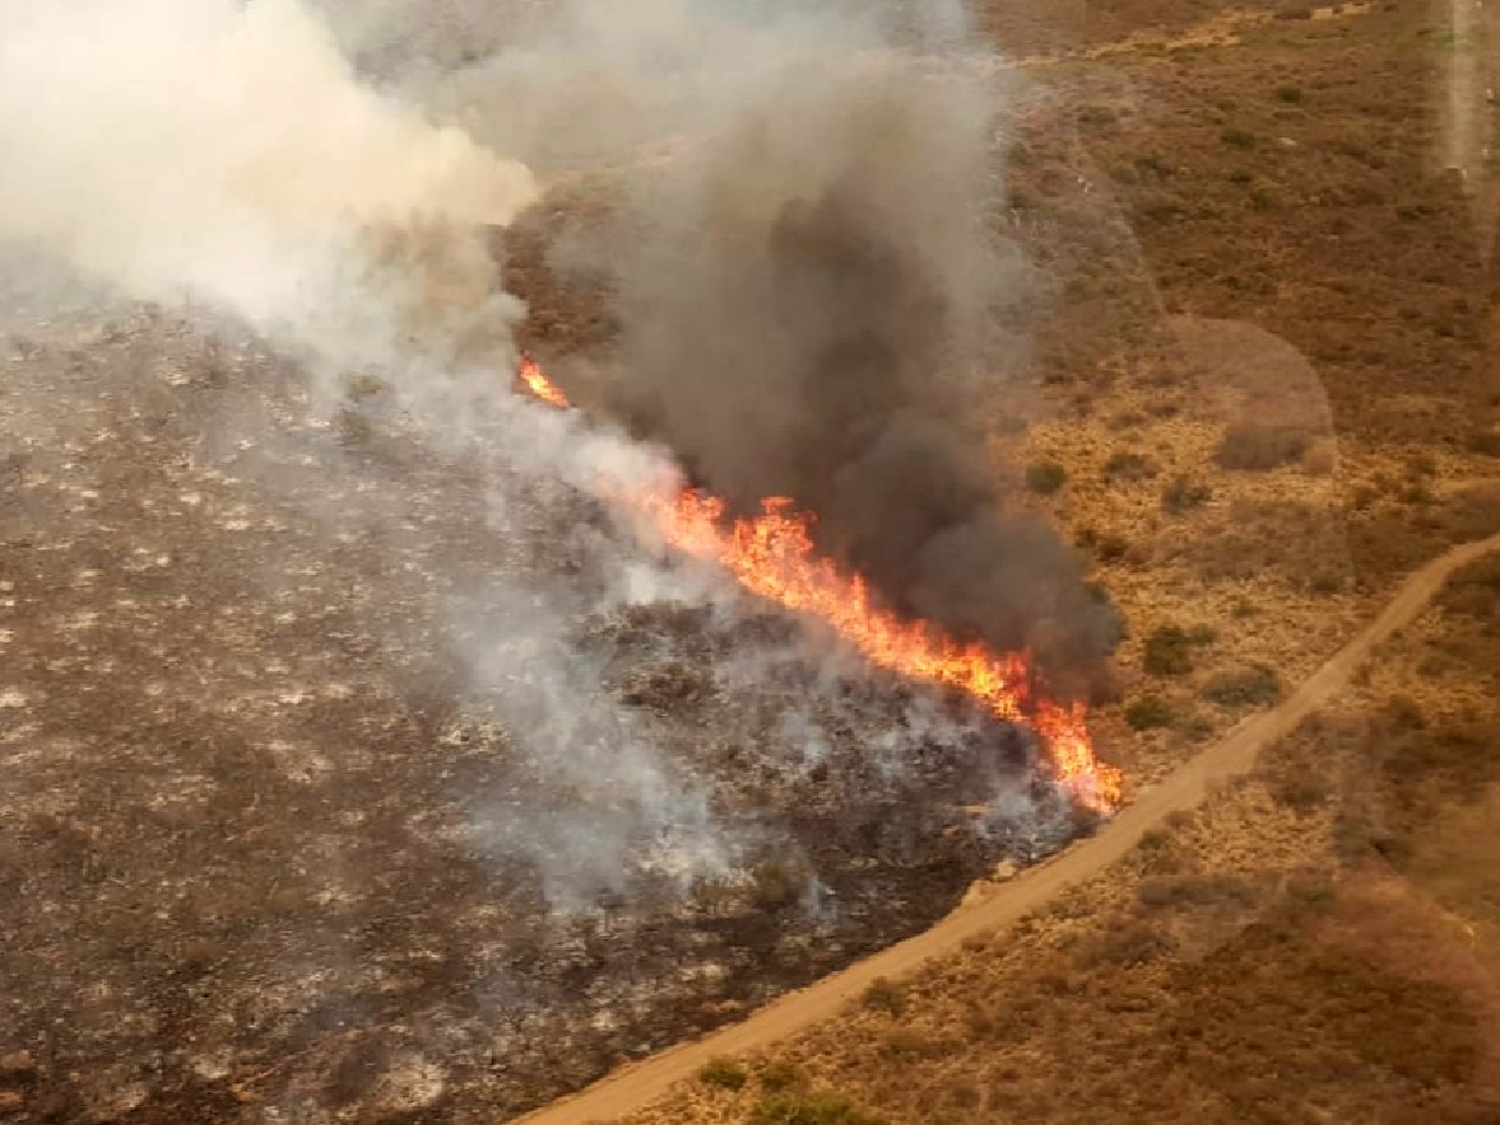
(306,818)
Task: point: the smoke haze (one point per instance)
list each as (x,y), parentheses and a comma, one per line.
(224,153)
(804,267)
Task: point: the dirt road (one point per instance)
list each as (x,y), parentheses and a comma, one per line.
(636,1086)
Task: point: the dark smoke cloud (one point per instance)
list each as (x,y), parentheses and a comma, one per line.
(814,317)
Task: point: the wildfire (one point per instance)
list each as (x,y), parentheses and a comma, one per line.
(773,556)
(539,385)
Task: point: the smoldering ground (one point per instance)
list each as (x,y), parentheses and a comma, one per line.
(391,727)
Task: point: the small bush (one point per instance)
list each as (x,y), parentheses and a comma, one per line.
(353,428)
(1149,712)
(885,995)
(1300,787)
(1252,686)
(1129,466)
(809,1109)
(776,1077)
(1415,212)
(1156,892)
(1291,95)
(1486,443)
(1260,446)
(776,885)
(1128,946)
(909,1046)
(1327,582)
(1181,495)
(1155,840)
(1238,138)
(724,1073)
(1168,652)
(1105,547)
(1045,478)
(1162,209)
(1261,199)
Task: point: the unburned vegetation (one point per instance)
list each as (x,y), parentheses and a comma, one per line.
(1316,943)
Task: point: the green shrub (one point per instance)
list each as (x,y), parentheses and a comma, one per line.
(1046,477)
(1148,712)
(1291,95)
(1251,686)
(724,1073)
(1168,652)
(809,1109)
(1237,138)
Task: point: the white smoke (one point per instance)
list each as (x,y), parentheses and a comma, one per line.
(223,153)
(226,154)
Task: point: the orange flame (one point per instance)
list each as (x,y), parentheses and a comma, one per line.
(539,385)
(773,556)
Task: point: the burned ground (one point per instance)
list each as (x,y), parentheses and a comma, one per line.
(261,837)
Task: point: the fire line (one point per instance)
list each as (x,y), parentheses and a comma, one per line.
(773,556)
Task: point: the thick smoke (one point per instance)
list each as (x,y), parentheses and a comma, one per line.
(225,153)
(804,270)
(811,294)
(224,158)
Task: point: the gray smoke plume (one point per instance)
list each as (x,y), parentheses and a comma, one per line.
(809,280)
(803,268)
(821,308)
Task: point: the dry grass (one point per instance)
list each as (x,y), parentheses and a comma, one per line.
(1269,396)
(1317,943)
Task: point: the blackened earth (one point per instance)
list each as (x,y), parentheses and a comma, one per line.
(287,831)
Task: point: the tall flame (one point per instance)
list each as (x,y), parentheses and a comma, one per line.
(773,556)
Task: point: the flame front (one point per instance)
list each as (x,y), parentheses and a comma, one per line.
(773,556)
(539,385)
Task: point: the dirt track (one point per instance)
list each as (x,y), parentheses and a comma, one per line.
(636,1086)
